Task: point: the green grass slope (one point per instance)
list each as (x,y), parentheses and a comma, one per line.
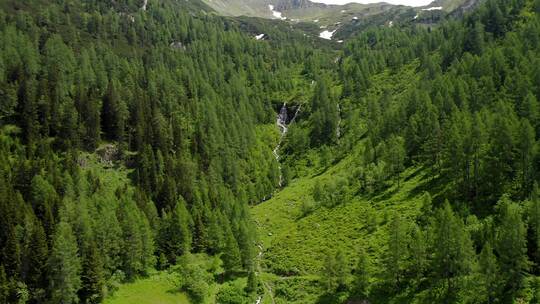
(295,242)
(159,288)
(295,246)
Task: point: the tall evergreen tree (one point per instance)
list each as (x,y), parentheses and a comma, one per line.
(37,255)
(64,266)
(489,273)
(4,285)
(231,252)
(534,221)
(174,237)
(511,245)
(325,114)
(362,275)
(452,251)
(397,250)
(92,276)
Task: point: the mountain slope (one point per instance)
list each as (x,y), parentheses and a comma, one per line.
(381,213)
(342,18)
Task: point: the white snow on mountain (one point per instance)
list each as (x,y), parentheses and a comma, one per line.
(276,14)
(327,34)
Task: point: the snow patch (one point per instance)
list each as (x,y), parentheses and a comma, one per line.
(391,23)
(354,18)
(416,17)
(316,20)
(259,37)
(327,34)
(276,14)
(435,8)
(145,3)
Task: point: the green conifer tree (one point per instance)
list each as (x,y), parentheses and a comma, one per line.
(64,266)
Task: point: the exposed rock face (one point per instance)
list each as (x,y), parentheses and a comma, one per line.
(108,154)
(177,45)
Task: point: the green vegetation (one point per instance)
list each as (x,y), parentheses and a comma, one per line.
(140,161)
(157,288)
(428,188)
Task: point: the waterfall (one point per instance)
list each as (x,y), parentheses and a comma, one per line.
(281,122)
(282,119)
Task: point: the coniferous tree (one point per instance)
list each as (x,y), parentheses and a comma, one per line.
(534,221)
(231,253)
(511,246)
(362,275)
(325,115)
(37,255)
(418,249)
(526,143)
(489,273)
(452,251)
(395,157)
(397,250)
(92,276)
(12,254)
(341,270)
(252,282)
(64,266)
(174,237)
(334,276)
(4,285)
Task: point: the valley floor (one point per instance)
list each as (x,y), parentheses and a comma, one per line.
(295,245)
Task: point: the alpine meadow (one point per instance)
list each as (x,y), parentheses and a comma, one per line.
(269,152)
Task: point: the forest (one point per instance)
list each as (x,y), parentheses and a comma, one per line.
(140,138)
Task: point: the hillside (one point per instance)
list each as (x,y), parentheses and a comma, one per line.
(338,224)
(342,19)
(158,151)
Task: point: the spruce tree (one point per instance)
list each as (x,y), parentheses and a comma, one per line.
(489,273)
(252,282)
(64,266)
(335,274)
(511,245)
(174,236)
(362,275)
(37,255)
(418,253)
(325,115)
(4,285)
(231,252)
(342,272)
(92,277)
(527,145)
(328,274)
(397,250)
(534,221)
(452,251)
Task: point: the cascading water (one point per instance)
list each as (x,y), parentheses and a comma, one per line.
(282,119)
(281,122)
